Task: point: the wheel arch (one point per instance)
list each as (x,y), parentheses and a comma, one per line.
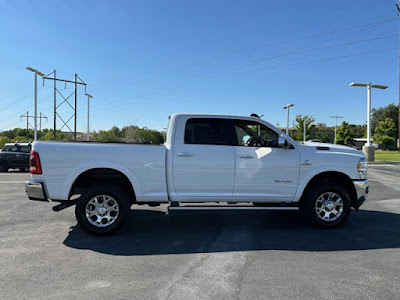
(2,160)
(333,177)
(102,173)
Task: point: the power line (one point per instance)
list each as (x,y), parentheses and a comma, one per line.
(302,38)
(19,99)
(258,61)
(331,58)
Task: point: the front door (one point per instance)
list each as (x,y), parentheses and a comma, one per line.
(264,171)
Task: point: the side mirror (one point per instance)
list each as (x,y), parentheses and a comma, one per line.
(281,141)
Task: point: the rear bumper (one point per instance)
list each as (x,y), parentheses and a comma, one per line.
(362,190)
(35,191)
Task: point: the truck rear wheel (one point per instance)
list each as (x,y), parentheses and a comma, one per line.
(102,208)
(326,204)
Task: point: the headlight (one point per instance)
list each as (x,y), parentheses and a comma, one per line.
(362,168)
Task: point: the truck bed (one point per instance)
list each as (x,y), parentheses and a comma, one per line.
(143,164)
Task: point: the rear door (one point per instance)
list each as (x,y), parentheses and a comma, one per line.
(264,171)
(23,156)
(203,160)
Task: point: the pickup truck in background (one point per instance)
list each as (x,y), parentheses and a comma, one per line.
(208,162)
(15,156)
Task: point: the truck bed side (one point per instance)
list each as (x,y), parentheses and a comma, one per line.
(62,163)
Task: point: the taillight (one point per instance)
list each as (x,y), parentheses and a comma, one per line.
(34,163)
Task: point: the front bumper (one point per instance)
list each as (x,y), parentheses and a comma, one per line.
(35,191)
(362,190)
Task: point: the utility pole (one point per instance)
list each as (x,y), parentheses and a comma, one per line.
(40,121)
(336,117)
(88,130)
(66,100)
(55,105)
(27,116)
(398,125)
(75,109)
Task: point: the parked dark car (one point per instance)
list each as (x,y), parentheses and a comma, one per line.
(15,156)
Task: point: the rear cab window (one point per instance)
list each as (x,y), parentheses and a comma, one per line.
(209,131)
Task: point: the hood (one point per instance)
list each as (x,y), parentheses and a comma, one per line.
(331,148)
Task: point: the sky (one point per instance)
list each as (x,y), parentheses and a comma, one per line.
(144,60)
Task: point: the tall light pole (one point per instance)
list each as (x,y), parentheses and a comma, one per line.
(35,100)
(304,128)
(287,116)
(368,149)
(336,117)
(88,130)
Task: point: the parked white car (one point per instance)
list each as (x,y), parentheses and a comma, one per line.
(208,162)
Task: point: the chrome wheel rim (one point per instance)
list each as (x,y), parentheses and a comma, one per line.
(102,210)
(329,207)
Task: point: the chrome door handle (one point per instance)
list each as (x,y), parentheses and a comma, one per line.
(185,154)
(246,156)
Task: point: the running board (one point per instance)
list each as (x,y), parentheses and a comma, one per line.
(230,207)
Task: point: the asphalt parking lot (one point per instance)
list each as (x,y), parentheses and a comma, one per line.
(192,255)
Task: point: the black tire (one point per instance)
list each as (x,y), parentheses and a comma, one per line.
(22,169)
(3,166)
(89,195)
(314,211)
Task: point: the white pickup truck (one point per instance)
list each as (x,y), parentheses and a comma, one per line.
(210,162)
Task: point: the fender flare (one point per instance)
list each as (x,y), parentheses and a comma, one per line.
(306,180)
(101,165)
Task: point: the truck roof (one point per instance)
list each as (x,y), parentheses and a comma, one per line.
(17,144)
(212,115)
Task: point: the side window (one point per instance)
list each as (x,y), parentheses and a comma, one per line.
(10,148)
(25,149)
(253,134)
(209,131)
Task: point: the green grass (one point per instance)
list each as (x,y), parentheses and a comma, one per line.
(381,155)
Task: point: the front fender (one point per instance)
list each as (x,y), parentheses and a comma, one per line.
(306,177)
(99,165)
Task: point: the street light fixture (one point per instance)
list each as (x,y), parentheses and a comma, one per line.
(368,149)
(88,130)
(35,100)
(287,117)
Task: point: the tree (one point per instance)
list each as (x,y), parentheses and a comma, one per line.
(385,133)
(106,136)
(358,131)
(343,134)
(390,111)
(325,136)
(60,136)
(3,140)
(309,122)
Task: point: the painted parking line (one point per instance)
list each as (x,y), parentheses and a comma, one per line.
(12,181)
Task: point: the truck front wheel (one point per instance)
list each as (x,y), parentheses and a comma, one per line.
(101,209)
(326,204)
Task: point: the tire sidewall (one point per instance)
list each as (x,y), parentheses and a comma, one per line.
(3,166)
(315,193)
(110,190)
